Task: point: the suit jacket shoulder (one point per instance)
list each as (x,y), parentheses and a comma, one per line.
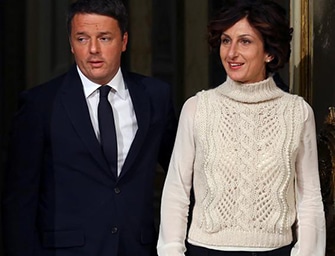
(150,84)
(44,93)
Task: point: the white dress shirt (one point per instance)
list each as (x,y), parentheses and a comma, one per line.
(123,110)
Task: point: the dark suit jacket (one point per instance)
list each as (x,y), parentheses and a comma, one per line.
(60,198)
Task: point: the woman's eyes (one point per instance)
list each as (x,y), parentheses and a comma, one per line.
(225,40)
(243,41)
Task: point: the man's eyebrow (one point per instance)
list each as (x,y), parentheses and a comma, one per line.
(100,33)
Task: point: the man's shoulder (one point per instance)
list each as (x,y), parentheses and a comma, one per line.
(145,80)
(48,85)
(52,85)
(44,93)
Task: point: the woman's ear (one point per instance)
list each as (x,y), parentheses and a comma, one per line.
(268,58)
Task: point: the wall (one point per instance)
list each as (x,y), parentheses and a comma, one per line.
(47,48)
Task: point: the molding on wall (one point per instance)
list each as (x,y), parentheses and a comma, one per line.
(306,51)
(295,18)
(301,57)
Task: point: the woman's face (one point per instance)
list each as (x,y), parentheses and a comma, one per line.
(242,53)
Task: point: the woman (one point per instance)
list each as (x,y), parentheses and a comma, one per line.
(248,150)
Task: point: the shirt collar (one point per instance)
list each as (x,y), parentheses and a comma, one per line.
(117,83)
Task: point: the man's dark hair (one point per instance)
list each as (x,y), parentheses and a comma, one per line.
(111,8)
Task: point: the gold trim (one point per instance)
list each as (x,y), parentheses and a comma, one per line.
(305,87)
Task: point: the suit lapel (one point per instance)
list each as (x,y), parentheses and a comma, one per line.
(141,104)
(73,98)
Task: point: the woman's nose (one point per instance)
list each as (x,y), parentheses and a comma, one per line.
(232,52)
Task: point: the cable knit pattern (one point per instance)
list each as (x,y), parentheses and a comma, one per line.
(248,135)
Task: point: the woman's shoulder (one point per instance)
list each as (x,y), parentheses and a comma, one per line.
(301,105)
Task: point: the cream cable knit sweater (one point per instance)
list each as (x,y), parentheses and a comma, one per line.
(245,167)
(246,141)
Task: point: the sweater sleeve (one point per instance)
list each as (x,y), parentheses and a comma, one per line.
(310,230)
(176,192)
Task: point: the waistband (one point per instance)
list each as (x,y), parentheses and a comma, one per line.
(193,250)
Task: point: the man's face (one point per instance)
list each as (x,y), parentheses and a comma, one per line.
(97,44)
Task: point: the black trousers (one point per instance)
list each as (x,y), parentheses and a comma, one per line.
(193,250)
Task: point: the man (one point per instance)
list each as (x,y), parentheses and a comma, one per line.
(64,193)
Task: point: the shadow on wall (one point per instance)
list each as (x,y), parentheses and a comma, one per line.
(323,83)
(326,154)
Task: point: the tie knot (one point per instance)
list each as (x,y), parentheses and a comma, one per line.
(104,90)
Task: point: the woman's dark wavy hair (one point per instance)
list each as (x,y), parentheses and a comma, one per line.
(267,17)
(111,8)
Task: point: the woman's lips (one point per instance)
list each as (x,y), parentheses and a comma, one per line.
(235,65)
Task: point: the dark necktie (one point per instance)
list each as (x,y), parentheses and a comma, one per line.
(107,129)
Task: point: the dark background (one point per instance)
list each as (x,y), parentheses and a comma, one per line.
(21,53)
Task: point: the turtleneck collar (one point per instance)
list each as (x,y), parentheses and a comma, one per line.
(250,93)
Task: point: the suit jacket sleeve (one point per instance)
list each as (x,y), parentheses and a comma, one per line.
(169,133)
(22,175)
